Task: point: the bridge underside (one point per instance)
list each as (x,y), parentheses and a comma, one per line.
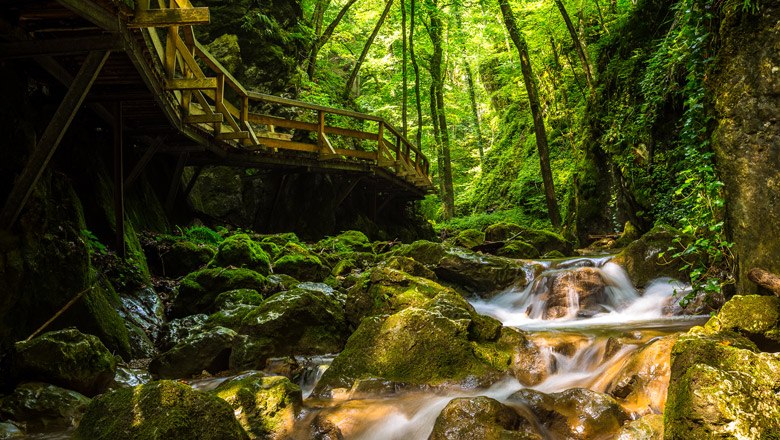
(109,69)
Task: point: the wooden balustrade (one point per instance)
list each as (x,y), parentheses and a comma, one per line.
(199,82)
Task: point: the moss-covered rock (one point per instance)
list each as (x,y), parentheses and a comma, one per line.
(10,431)
(469,238)
(208,350)
(268,405)
(300,263)
(240,250)
(757,317)
(346,242)
(643,259)
(502,231)
(442,342)
(384,290)
(43,407)
(280,239)
(410,266)
(423,251)
(481,417)
(198,290)
(176,330)
(67,358)
(480,274)
(542,240)
(232,298)
(159,410)
(344,267)
(226,50)
(649,427)
(630,234)
(184,257)
(518,249)
(300,321)
(722,387)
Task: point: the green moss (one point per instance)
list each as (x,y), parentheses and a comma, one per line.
(343,267)
(241,251)
(159,410)
(268,404)
(67,358)
(423,251)
(649,257)
(410,266)
(302,267)
(751,314)
(100,307)
(280,239)
(518,249)
(43,407)
(186,256)
(198,290)
(470,238)
(349,241)
(629,234)
(232,298)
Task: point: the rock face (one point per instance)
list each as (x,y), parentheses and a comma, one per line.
(67,358)
(747,140)
(241,251)
(159,410)
(649,427)
(571,291)
(576,413)
(481,274)
(300,263)
(198,290)
(43,407)
(481,418)
(541,240)
(721,384)
(268,404)
(209,351)
(642,258)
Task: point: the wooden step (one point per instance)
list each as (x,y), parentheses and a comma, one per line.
(230,135)
(190,83)
(204,119)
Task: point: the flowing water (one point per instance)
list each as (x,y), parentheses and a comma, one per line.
(584,348)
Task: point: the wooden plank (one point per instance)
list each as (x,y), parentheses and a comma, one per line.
(310,126)
(203,119)
(169,62)
(154,147)
(170,17)
(364,155)
(288,145)
(51,138)
(252,135)
(59,46)
(189,83)
(300,104)
(119,190)
(94,13)
(230,135)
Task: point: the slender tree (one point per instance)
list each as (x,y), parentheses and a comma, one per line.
(416,67)
(322,39)
(536,112)
(475,112)
(366,47)
(577,43)
(405,85)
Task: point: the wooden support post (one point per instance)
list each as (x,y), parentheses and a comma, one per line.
(170,200)
(219,95)
(51,138)
(170,52)
(321,129)
(384,204)
(381,136)
(277,196)
(169,17)
(191,183)
(154,147)
(119,191)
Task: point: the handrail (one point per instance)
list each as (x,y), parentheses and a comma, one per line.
(190,85)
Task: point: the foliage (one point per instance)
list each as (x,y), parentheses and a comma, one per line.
(201,234)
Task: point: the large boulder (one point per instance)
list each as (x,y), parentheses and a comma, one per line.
(649,257)
(346,242)
(67,358)
(518,249)
(298,262)
(756,317)
(268,405)
(159,410)
(649,427)
(384,290)
(240,250)
(469,238)
(198,290)
(209,350)
(721,386)
(443,342)
(571,291)
(642,381)
(576,413)
(182,257)
(43,407)
(481,418)
(177,330)
(480,274)
(542,240)
(423,251)
(300,321)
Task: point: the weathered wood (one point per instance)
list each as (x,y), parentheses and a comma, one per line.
(190,83)
(119,190)
(170,17)
(300,104)
(765,279)
(204,119)
(59,46)
(301,125)
(93,13)
(51,138)
(154,147)
(229,135)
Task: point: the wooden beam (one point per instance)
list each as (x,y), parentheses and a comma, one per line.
(175,183)
(94,13)
(204,119)
(154,147)
(229,135)
(170,17)
(191,183)
(51,138)
(310,126)
(190,83)
(119,190)
(58,46)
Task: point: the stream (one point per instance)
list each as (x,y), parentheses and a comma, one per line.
(582,351)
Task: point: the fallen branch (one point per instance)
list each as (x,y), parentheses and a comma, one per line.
(60,312)
(765,279)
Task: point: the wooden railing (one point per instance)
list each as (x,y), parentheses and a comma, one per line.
(198,84)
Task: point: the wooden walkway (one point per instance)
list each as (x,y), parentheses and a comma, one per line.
(144,72)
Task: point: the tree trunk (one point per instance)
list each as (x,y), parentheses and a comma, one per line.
(322,39)
(437,79)
(405,86)
(475,112)
(533,100)
(437,138)
(366,47)
(318,15)
(418,100)
(577,43)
